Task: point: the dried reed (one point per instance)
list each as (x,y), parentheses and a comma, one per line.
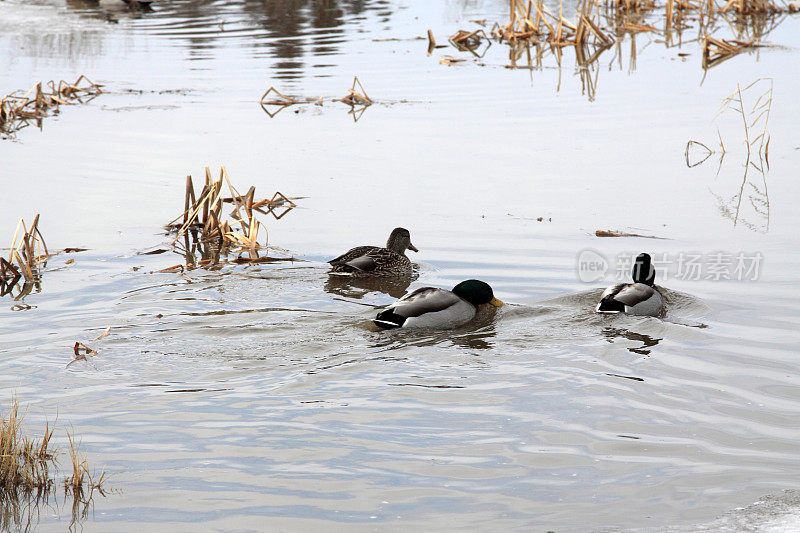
(358,100)
(203,220)
(716,51)
(531,21)
(355,98)
(470,41)
(29,251)
(534,21)
(17,110)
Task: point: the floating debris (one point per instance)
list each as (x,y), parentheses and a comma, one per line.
(449,60)
(18,110)
(470,41)
(81,351)
(609,233)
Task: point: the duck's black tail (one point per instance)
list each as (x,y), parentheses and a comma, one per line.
(388,319)
(610,305)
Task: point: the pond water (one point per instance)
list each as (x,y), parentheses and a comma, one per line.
(257,397)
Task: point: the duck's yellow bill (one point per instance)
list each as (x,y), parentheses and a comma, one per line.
(495,302)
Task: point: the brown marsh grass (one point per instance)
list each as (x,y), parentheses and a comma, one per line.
(24,462)
(27,464)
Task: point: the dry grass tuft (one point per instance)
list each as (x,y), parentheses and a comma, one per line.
(24,462)
(81,479)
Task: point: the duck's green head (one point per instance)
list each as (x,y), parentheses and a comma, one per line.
(643,271)
(476,292)
(400,241)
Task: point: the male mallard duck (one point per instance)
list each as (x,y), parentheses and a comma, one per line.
(374,260)
(638,298)
(438,308)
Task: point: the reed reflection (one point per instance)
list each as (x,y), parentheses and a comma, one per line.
(744,201)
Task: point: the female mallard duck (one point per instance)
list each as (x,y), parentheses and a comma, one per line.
(374,260)
(641,297)
(431,307)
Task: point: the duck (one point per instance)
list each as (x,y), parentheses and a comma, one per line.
(432,307)
(374,260)
(641,297)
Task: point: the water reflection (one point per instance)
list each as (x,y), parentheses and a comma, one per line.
(21,510)
(626,26)
(479,334)
(288,31)
(647,341)
(359,286)
(746,201)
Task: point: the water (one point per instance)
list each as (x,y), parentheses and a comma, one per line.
(258,397)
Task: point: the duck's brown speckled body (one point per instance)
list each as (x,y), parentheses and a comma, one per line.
(377,261)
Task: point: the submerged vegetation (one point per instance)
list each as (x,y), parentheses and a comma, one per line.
(19,110)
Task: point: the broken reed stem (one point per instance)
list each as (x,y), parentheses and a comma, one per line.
(16,111)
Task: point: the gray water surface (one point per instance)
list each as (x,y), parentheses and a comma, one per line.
(258,397)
